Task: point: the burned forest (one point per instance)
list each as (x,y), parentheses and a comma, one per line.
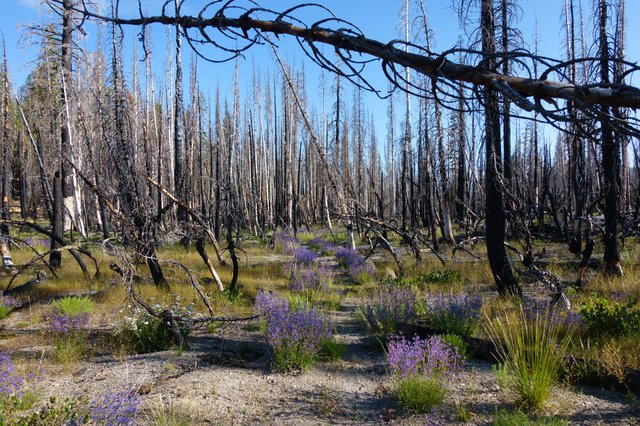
(396,211)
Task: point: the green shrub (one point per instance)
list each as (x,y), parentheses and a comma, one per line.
(420,394)
(602,316)
(73,306)
(531,353)
(146,334)
(68,324)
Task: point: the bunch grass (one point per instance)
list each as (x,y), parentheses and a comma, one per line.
(531,352)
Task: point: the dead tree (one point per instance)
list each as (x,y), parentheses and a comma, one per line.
(542,94)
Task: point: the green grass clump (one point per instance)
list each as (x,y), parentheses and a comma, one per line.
(4,311)
(73,306)
(457,343)
(531,352)
(333,349)
(420,394)
(518,418)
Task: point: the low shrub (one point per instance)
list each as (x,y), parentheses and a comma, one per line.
(143,334)
(296,335)
(305,256)
(604,317)
(387,312)
(420,368)
(420,394)
(333,349)
(322,246)
(454,314)
(532,353)
(66,411)
(17,393)
(311,278)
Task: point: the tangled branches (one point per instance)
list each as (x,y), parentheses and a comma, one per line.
(223,30)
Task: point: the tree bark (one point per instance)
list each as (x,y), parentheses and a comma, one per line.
(494,207)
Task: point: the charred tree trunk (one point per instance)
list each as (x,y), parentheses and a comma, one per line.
(62,189)
(610,161)
(494,203)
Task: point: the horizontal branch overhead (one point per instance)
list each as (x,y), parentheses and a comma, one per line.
(432,65)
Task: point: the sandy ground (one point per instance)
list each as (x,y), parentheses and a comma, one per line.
(226,379)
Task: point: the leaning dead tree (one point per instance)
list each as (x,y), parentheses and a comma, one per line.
(543,89)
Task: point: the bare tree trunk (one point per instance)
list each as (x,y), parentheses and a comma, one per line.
(494,203)
(5,207)
(179,172)
(63,188)
(610,160)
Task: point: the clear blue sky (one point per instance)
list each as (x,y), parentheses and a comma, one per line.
(378,19)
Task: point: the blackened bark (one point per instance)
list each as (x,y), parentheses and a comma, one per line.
(610,161)
(494,208)
(63,188)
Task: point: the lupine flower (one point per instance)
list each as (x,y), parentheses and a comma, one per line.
(431,357)
(455,314)
(8,302)
(317,278)
(355,265)
(115,408)
(347,257)
(64,324)
(292,331)
(391,307)
(306,256)
(288,242)
(542,308)
(11,385)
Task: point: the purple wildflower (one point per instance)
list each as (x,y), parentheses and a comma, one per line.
(62,324)
(355,265)
(288,242)
(347,257)
(316,278)
(11,385)
(557,317)
(269,301)
(8,302)
(115,408)
(306,256)
(287,329)
(431,357)
(391,307)
(455,314)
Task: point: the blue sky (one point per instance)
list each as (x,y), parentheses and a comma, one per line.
(378,19)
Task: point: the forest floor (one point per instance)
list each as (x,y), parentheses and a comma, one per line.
(226,378)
